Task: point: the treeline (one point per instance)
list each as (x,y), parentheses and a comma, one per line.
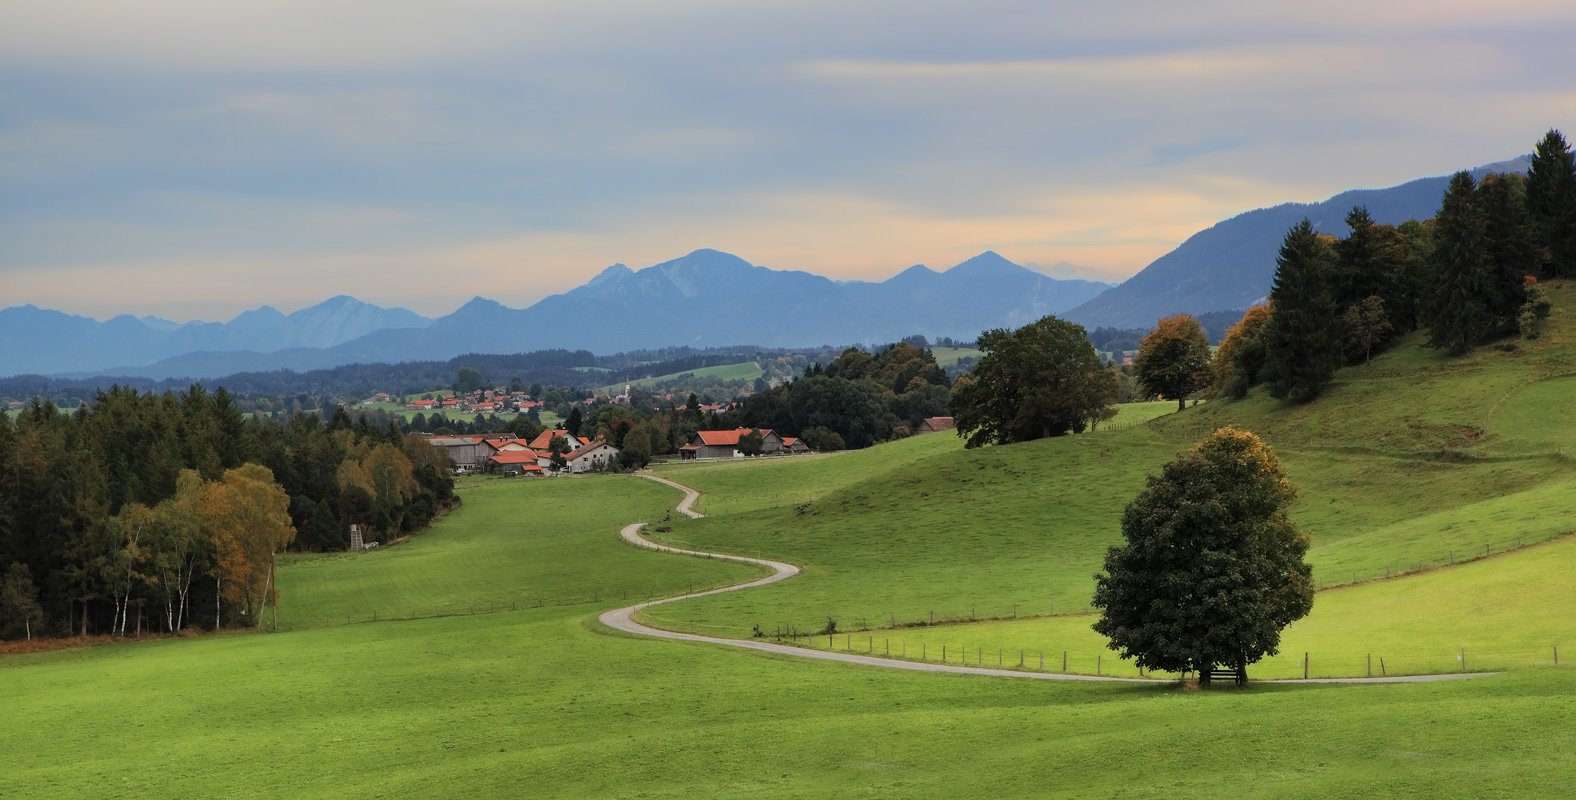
(859,399)
(1469,275)
(165,511)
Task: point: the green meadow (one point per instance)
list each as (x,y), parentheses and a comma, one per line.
(485,673)
(1410,466)
(729,373)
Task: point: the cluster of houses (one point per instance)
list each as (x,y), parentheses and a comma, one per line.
(507,454)
(481,401)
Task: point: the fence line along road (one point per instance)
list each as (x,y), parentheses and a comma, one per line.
(622,619)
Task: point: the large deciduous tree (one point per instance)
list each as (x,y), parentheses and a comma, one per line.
(1301,350)
(1173,359)
(1212,568)
(1043,379)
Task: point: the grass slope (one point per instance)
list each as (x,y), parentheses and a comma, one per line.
(1394,478)
(729,373)
(513,543)
(535,702)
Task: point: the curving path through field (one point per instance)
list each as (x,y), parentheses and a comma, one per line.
(623,619)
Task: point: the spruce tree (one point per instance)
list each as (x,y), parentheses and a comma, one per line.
(1510,244)
(1301,348)
(1461,312)
(1551,200)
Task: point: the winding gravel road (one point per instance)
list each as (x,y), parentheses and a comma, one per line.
(623,619)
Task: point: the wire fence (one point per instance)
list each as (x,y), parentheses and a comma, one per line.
(1284,666)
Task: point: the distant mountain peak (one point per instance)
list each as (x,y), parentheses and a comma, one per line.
(479,303)
(612,274)
(988,260)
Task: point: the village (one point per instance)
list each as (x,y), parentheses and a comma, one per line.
(557,451)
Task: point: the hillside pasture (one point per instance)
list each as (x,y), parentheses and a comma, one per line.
(514,543)
(743,372)
(479,706)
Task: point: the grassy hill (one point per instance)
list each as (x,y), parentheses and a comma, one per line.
(743,372)
(1413,463)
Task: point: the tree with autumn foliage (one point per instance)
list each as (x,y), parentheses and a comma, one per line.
(1240,356)
(246,518)
(1212,567)
(1173,359)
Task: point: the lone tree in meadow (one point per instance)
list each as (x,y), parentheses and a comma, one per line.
(1043,379)
(1213,568)
(1173,359)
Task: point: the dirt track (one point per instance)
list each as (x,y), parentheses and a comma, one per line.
(622,619)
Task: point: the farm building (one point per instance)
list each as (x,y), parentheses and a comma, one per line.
(469,452)
(543,441)
(725,444)
(792,445)
(593,457)
(934,424)
(522,462)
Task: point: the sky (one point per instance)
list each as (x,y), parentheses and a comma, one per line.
(193,159)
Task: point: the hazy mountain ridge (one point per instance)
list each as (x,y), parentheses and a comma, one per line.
(706,298)
(1231,264)
(36,340)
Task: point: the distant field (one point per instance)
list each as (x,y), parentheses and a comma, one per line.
(948,356)
(548,418)
(731,373)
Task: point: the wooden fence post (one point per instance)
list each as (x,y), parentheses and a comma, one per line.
(1305,665)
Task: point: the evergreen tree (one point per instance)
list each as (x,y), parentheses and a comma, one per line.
(1551,201)
(572,424)
(1301,348)
(1510,246)
(1461,313)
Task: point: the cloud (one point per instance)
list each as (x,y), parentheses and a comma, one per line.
(423,153)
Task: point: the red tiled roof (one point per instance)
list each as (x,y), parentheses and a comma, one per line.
(545,440)
(727,438)
(515,457)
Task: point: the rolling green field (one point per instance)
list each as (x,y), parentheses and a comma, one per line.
(514,544)
(948,356)
(1392,483)
(731,373)
(1411,466)
(548,418)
